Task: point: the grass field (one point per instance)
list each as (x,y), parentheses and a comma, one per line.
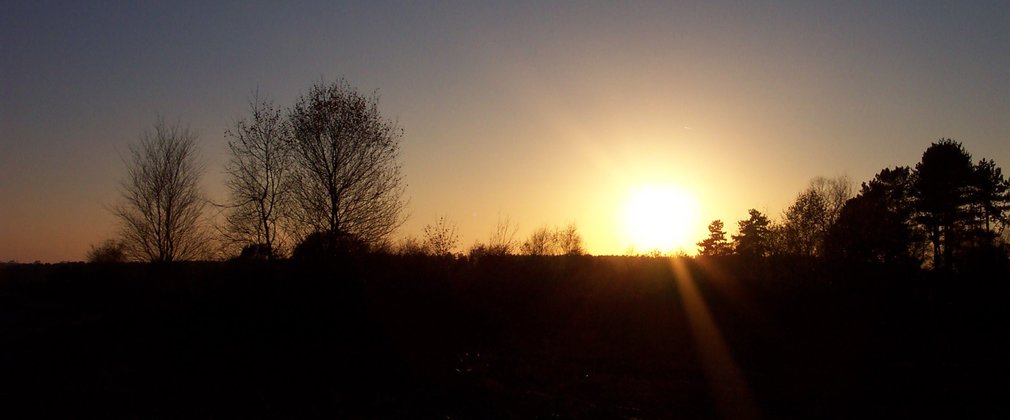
(509,337)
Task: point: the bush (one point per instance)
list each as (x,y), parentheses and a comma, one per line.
(111,251)
(322,245)
(258,252)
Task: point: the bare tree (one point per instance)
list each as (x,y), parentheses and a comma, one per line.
(348,176)
(503,239)
(161,213)
(260,181)
(569,240)
(441,238)
(541,242)
(835,192)
(501,242)
(556,241)
(807,221)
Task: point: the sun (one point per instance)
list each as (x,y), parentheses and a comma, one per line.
(660,218)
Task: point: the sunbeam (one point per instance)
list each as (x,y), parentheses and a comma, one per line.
(726,382)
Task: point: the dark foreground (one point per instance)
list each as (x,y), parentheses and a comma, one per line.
(389,337)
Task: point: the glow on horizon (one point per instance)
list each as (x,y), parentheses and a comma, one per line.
(660,218)
(546,114)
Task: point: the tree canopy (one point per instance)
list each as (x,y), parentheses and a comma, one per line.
(347,172)
(755,235)
(161,215)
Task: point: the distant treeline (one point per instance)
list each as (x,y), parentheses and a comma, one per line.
(322,178)
(947,212)
(312,181)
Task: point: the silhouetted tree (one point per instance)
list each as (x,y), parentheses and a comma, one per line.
(558,241)
(540,242)
(160,216)
(348,177)
(441,238)
(501,242)
(753,239)
(834,192)
(716,243)
(108,252)
(990,198)
(503,238)
(569,240)
(941,191)
(807,221)
(877,225)
(259,180)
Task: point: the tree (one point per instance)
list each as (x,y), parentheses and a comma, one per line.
(569,241)
(876,225)
(503,239)
(348,179)
(716,243)
(441,238)
(807,221)
(259,180)
(557,241)
(990,196)
(161,213)
(753,239)
(941,192)
(835,192)
(540,242)
(501,242)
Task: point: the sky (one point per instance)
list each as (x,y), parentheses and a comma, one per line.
(545,113)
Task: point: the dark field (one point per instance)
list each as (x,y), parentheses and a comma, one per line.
(510,337)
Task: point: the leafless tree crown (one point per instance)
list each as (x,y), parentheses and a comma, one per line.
(348,176)
(161,213)
(259,179)
(807,221)
(501,242)
(441,238)
(557,241)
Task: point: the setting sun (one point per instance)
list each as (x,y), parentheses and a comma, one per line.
(660,218)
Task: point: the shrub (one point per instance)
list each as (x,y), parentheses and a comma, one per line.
(110,251)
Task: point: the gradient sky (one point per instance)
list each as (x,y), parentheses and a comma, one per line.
(544,112)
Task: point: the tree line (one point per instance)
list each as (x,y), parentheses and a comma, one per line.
(441,239)
(318,178)
(322,175)
(947,212)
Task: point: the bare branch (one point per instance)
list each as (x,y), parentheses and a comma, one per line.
(347,175)
(162,210)
(260,180)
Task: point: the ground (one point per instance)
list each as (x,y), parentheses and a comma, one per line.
(510,337)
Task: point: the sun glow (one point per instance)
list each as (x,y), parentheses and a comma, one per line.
(660,218)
